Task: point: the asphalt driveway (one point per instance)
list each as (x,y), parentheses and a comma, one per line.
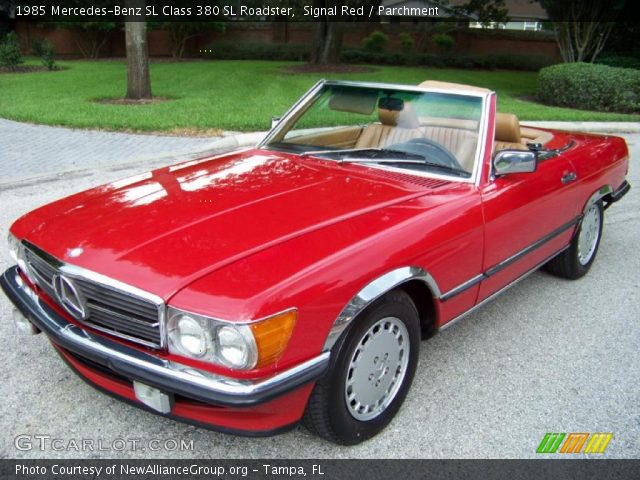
(549,355)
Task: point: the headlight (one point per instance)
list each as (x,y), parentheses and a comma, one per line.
(17,253)
(14,246)
(236,346)
(189,336)
(240,346)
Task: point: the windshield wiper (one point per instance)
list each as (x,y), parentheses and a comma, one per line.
(367,153)
(382,160)
(458,171)
(455,171)
(386,155)
(337,152)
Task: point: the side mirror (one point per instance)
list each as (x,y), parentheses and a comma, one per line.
(514,161)
(274,121)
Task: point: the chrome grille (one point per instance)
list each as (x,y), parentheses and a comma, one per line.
(122,314)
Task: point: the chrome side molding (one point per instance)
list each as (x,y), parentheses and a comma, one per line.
(497,293)
(510,260)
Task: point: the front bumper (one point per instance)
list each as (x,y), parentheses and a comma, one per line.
(165,375)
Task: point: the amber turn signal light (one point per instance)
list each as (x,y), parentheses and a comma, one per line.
(272,336)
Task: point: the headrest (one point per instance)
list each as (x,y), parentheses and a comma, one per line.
(405,118)
(507,128)
(388,117)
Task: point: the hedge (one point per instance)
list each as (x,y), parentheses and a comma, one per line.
(262,51)
(259,51)
(590,86)
(506,61)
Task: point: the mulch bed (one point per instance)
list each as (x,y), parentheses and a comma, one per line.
(310,68)
(128,101)
(28,69)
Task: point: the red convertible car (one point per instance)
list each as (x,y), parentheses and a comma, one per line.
(294,280)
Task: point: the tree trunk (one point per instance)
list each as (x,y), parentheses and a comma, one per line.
(327,43)
(582,41)
(332,44)
(317,44)
(138,80)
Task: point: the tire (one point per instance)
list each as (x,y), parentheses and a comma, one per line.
(337,409)
(576,260)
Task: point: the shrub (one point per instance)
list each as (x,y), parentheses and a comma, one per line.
(376,41)
(42,48)
(591,87)
(406,42)
(518,61)
(293,52)
(10,55)
(444,42)
(513,61)
(356,56)
(258,51)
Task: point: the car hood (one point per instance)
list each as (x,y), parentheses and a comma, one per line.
(162,230)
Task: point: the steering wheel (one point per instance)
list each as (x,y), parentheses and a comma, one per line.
(429,149)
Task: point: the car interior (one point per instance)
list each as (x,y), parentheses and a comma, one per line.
(398,123)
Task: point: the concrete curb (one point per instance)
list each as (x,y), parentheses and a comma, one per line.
(237,140)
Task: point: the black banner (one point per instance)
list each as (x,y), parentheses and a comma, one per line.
(298,11)
(321,469)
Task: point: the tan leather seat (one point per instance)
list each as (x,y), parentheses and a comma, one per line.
(401,126)
(394,127)
(507,135)
(460,142)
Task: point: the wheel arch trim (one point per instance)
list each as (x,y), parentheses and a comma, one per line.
(374,290)
(598,195)
(595,197)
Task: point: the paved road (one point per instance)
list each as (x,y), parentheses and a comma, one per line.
(36,150)
(549,355)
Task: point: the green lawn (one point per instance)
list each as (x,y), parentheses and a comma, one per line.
(230,95)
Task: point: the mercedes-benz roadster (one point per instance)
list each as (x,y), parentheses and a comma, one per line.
(294,280)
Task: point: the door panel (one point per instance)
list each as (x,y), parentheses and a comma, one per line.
(528,216)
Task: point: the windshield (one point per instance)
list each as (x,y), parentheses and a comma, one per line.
(419,131)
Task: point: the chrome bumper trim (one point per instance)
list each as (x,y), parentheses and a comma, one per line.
(163,374)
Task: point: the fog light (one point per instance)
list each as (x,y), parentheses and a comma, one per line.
(152,397)
(23,325)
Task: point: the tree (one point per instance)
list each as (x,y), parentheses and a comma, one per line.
(327,42)
(625,37)
(327,35)
(90,37)
(487,12)
(582,26)
(138,79)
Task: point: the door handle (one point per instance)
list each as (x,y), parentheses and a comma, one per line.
(569,177)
